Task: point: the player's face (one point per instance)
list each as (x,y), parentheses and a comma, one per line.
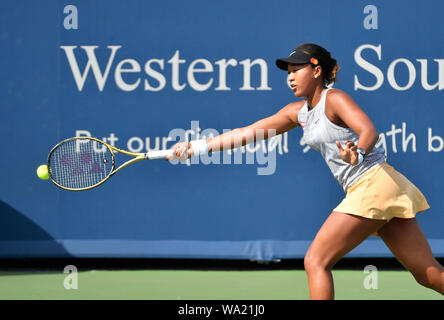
(301,80)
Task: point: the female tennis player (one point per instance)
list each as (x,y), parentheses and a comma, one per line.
(379,200)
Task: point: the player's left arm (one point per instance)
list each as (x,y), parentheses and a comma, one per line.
(354,117)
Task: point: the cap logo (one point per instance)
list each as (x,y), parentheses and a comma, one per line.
(314,61)
(292,53)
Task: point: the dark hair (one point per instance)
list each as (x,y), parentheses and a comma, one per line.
(328,64)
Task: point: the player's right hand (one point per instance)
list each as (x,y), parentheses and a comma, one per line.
(181,151)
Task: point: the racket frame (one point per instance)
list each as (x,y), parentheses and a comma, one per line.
(138,156)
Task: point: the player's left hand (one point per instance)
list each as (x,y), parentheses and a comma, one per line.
(349,153)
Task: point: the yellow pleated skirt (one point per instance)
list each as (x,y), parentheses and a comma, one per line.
(383,193)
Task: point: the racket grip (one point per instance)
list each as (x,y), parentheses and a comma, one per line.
(151,155)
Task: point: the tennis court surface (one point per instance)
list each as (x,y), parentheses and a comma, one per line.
(203,285)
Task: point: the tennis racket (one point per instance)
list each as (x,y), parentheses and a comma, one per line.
(83,163)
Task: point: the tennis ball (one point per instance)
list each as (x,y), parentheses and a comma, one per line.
(42,172)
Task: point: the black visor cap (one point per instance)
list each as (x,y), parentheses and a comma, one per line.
(296,57)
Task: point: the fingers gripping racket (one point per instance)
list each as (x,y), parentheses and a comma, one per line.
(83,163)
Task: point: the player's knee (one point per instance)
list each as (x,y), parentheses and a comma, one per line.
(429,280)
(422,279)
(315,262)
(433,279)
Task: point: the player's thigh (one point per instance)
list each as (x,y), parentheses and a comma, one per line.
(339,234)
(407,242)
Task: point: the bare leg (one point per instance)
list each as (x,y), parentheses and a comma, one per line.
(339,234)
(409,245)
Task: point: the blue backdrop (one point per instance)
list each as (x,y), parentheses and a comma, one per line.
(132,71)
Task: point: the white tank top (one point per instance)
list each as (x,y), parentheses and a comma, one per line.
(321,134)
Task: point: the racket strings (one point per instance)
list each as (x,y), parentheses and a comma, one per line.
(80,163)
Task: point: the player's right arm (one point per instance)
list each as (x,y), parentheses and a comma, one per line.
(282,121)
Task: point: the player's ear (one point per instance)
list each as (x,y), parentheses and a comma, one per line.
(317,71)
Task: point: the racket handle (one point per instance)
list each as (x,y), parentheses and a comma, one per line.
(158,154)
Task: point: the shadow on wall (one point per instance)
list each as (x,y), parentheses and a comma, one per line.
(20,237)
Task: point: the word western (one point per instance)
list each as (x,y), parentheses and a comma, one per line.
(199,73)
